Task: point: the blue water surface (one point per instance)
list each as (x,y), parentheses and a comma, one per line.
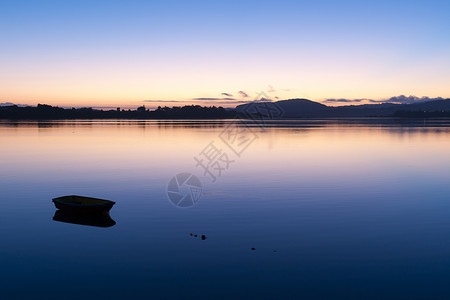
(317,209)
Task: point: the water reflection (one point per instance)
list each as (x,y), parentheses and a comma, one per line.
(382,122)
(351,207)
(98,220)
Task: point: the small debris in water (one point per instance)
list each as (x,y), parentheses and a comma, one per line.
(253,249)
(203,237)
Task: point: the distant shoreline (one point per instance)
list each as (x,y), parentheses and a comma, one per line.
(281,110)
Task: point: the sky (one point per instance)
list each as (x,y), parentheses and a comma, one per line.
(129,53)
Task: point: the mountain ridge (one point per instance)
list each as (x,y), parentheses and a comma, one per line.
(304,108)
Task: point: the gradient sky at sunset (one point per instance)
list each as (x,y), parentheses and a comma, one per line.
(121,53)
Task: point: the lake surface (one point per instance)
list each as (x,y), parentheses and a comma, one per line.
(334,209)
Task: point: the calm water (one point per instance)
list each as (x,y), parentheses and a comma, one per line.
(334,210)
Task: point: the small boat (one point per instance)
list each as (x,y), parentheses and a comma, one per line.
(80,204)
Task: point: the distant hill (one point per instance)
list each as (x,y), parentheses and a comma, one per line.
(303,108)
(297,107)
(293,108)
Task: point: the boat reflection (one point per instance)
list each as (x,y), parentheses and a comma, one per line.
(98,220)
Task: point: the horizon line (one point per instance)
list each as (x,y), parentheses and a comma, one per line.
(343,101)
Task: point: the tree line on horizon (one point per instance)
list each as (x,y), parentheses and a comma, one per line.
(288,109)
(44,111)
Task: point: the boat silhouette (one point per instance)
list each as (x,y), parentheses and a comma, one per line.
(98,220)
(80,204)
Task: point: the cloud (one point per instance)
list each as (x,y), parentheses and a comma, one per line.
(227,94)
(402,99)
(260,100)
(6,104)
(10,104)
(344,100)
(212,99)
(168,101)
(271,89)
(394,100)
(243,94)
(235,102)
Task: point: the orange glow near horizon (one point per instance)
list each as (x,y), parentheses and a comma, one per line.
(128,86)
(290,150)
